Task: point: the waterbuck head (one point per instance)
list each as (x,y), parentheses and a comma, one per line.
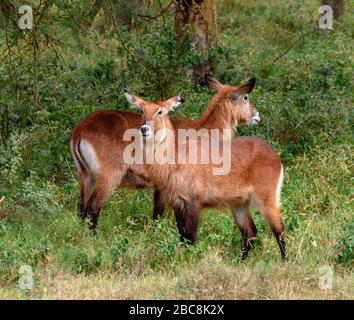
(154,114)
(235,100)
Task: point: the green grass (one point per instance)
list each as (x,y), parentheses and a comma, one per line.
(306,104)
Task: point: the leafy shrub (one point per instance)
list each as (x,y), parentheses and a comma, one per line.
(346,245)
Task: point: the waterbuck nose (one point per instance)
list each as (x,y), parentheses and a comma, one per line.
(256,118)
(145,130)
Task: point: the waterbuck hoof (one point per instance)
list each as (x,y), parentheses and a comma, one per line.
(243,254)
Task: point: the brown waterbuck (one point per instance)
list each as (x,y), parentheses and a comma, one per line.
(97,144)
(255,176)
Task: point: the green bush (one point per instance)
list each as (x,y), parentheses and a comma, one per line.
(346,245)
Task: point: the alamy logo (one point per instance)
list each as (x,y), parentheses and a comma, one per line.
(25,281)
(189,146)
(326,19)
(26,20)
(326,277)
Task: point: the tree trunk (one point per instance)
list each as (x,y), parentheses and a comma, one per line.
(337,7)
(200,18)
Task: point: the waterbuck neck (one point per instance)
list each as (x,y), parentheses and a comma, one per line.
(218,115)
(164,148)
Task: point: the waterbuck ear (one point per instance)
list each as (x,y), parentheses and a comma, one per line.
(135,102)
(173,103)
(211,82)
(246,87)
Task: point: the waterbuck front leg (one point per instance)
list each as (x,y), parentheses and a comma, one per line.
(187,217)
(159,205)
(247,227)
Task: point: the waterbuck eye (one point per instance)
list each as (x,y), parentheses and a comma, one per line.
(245,98)
(159,113)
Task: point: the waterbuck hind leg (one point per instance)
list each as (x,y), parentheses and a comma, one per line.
(104,186)
(187,217)
(93,209)
(159,205)
(277,226)
(279,234)
(82,213)
(87,186)
(247,227)
(270,210)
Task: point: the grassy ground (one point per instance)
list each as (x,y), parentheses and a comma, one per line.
(306,103)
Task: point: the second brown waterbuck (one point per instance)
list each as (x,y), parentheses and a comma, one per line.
(255,176)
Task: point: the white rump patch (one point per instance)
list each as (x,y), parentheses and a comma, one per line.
(279,185)
(89,155)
